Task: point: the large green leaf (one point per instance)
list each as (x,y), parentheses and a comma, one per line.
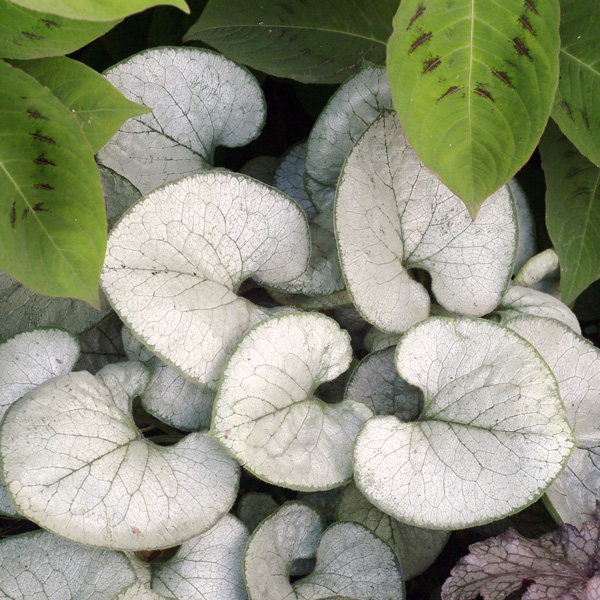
(53,225)
(311,41)
(98,106)
(473,83)
(96,10)
(576,105)
(572,212)
(27,34)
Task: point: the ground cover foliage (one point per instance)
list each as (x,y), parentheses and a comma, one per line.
(297,299)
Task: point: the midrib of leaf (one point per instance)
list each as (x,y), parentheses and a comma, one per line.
(172,139)
(469,89)
(316,29)
(44,230)
(587,221)
(582,63)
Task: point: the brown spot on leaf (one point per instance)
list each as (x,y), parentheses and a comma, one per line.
(530,5)
(13,214)
(136,531)
(526,24)
(431,64)
(585,118)
(42,160)
(287,8)
(521,48)
(31,36)
(25,214)
(227,434)
(449,91)
(564,104)
(424,37)
(481,92)
(419,12)
(303,52)
(34,114)
(575,171)
(39,207)
(40,137)
(325,62)
(43,186)
(503,77)
(50,24)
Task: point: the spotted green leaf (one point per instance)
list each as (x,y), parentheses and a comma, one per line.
(473,82)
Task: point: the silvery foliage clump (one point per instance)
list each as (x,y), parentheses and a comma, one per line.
(477,397)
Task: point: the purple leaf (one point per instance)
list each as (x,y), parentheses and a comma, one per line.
(562,565)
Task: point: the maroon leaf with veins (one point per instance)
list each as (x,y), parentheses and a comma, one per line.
(562,565)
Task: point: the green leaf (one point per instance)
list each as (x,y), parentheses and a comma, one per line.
(572,212)
(473,83)
(96,10)
(53,225)
(29,34)
(576,103)
(98,106)
(311,41)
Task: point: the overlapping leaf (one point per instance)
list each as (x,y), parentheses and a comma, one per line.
(393,214)
(177,258)
(74,462)
(576,365)
(288,39)
(43,565)
(199,100)
(350,560)
(266,414)
(96,10)
(52,233)
(491,438)
(473,82)
(576,103)
(572,211)
(26,33)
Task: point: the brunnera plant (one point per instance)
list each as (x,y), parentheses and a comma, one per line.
(234,306)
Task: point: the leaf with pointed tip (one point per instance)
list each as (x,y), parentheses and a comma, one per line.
(473,83)
(576,365)
(97,10)
(199,100)
(97,105)
(520,301)
(45,566)
(26,33)
(376,383)
(492,436)
(74,462)
(285,38)
(350,560)
(323,277)
(576,102)
(208,566)
(415,547)
(173,266)
(289,177)
(27,360)
(572,211)
(354,106)
(52,230)
(265,411)
(393,214)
